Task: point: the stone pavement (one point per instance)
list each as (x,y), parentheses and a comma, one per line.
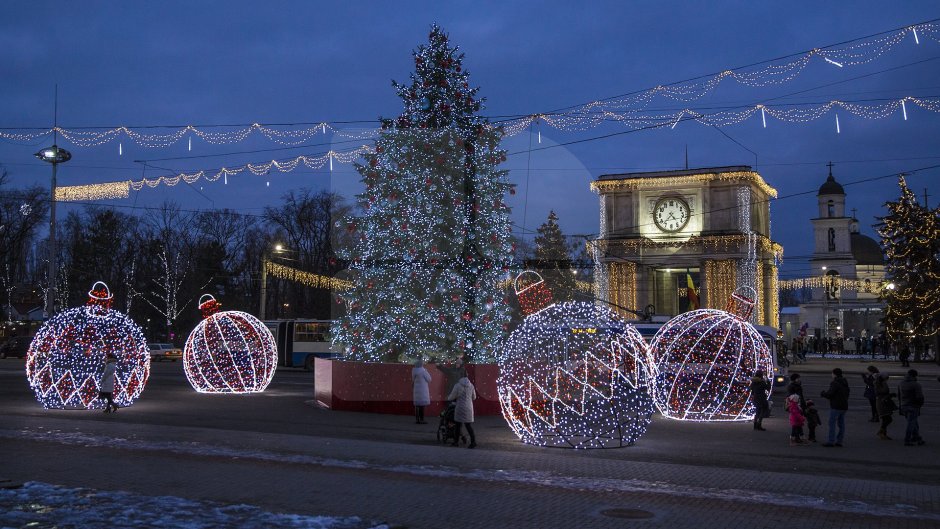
(279,452)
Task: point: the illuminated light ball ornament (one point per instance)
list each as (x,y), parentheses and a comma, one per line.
(575,375)
(66,358)
(534,295)
(704,360)
(229,352)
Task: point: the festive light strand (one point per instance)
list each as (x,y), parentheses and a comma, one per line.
(107,190)
(305,278)
(857,52)
(857,285)
(636,119)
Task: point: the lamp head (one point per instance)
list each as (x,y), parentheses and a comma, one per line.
(54,154)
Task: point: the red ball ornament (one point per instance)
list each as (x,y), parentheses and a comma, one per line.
(67,357)
(229,352)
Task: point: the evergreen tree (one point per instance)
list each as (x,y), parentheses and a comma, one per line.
(553,260)
(432,243)
(910,235)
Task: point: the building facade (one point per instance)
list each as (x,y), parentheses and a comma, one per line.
(848,274)
(673,241)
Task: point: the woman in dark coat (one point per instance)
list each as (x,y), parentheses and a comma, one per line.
(869,379)
(884,401)
(760,386)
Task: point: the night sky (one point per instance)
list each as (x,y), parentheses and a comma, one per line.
(208,63)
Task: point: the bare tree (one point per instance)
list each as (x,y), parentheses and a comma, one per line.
(305,221)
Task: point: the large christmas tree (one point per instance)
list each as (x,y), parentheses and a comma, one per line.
(432,244)
(910,235)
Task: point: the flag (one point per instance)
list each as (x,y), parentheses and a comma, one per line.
(692,293)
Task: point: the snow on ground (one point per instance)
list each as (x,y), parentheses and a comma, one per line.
(43,506)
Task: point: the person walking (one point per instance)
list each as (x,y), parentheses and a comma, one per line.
(106,386)
(869,379)
(838,395)
(885,404)
(796,387)
(760,386)
(464,393)
(905,356)
(912,399)
(420,380)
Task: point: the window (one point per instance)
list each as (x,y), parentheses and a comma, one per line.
(310,331)
(831,207)
(832,239)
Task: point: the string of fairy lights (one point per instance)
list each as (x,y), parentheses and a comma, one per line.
(801,114)
(628,110)
(623,108)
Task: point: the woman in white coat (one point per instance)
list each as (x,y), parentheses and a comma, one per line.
(106,387)
(464,393)
(420,378)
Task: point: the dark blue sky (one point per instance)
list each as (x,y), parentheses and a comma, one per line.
(159,63)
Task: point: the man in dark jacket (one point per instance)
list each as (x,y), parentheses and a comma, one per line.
(796,386)
(838,395)
(912,398)
(760,386)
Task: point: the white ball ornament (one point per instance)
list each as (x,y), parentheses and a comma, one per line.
(574,375)
(704,360)
(229,352)
(67,357)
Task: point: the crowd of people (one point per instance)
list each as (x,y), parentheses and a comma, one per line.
(802,412)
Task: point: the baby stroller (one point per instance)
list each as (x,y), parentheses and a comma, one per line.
(446,431)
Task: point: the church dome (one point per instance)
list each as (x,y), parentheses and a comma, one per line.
(831,187)
(865,250)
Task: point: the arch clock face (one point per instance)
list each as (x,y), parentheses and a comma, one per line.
(671,214)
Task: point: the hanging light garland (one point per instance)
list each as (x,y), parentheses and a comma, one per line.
(574,375)
(858,52)
(119,189)
(856,285)
(105,191)
(791,113)
(305,278)
(67,357)
(229,352)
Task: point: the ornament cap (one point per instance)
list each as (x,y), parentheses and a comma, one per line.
(100,295)
(742,302)
(208,305)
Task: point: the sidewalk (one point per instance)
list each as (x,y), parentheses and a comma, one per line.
(927,371)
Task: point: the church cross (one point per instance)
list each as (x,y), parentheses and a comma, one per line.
(853,213)
(830,164)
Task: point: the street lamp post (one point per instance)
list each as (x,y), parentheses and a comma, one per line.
(264,279)
(54,155)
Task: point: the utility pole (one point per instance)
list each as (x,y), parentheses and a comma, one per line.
(55,156)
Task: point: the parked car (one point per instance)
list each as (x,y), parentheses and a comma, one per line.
(164,351)
(15,346)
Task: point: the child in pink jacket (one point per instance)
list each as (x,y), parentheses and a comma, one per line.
(797,420)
